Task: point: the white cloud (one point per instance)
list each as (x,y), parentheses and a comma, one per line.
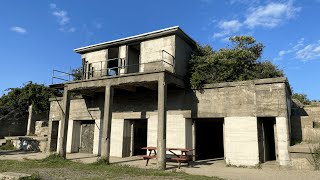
(301,51)
(271,15)
(227,27)
(62,18)
(18,29)
(309,52)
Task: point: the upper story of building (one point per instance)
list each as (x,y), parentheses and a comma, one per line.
(162,50)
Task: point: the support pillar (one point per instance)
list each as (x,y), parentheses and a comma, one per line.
(64,122)
(106,127)
(31,121)
(162,122)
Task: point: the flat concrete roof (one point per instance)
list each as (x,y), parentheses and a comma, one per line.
(141,37)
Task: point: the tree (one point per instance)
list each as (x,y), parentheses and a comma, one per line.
(239,63)
(15,103)
(302,98)
(77,74)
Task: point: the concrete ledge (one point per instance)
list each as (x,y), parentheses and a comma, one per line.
(245,83)
(13,175)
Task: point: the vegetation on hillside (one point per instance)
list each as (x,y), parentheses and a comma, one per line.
(239,62)
(15,103)
(302,98)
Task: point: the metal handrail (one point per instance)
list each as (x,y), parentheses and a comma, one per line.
(122,65)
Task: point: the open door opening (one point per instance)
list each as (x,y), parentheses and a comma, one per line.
(54,136)
(266,139)
(133,58)
(209,138)
(113,61)
(135,137)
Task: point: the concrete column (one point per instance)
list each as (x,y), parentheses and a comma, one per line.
(283,140)
(62,141)
(106,125)
(31,121)
(162,122)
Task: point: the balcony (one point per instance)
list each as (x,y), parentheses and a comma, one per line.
(116,67)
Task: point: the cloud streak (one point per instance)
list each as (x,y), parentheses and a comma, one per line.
(62,17)
(270,16)
(18,29)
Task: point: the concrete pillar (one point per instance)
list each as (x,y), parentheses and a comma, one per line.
(162,122)
(62,141)
(283,140)
(106,127)
(31,121)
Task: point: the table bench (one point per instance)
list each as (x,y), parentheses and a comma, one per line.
(182,158)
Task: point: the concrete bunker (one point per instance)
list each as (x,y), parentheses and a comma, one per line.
(209,140)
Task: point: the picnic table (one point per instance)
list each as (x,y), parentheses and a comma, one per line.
(183,157)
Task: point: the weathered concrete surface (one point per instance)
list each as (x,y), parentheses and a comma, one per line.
(241,141)
(29,143)
(13,175)
(238,100)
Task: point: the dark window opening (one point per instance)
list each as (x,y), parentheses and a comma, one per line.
(133,58)
(113,61)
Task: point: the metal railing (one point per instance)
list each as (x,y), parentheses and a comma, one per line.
(100,68)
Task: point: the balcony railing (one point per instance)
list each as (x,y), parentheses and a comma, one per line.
(100,68)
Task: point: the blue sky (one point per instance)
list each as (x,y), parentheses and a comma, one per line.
(39,36)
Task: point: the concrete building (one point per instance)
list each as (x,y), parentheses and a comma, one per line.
(132,94)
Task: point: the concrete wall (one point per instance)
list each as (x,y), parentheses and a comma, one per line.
(239,103)
(303,121)
(151,51)
(241,141)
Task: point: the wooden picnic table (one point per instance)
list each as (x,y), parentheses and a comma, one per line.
(183,157)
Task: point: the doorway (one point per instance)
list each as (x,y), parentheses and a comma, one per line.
(135,137)
(266,139)
(54,136)
(86,136)
(133,58)
(209,138)
(113,61)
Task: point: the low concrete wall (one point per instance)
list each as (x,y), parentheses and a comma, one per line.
(29,143)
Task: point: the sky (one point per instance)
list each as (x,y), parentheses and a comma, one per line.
(39,36)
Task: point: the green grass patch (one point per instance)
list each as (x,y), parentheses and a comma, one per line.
(8,146)
(61,168)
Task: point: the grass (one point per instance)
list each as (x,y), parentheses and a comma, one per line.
(8,146)
(56,167)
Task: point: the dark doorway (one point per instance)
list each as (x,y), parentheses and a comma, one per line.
(54,135)
(139,136)
(113,61)
(133,58)
(87,135)
(209,138)
(266,139)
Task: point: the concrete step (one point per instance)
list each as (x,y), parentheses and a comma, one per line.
(13,175)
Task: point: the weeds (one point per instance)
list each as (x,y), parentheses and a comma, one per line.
(8,146)
(315,156)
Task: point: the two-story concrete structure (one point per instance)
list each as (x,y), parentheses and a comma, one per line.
(132,95)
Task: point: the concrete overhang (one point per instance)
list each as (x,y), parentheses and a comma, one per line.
(138,38)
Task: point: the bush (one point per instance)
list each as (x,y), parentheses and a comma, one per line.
(8,146)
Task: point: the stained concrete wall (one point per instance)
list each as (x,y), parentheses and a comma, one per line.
(151,51)
(238,102)
(94,58)
(303,123)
